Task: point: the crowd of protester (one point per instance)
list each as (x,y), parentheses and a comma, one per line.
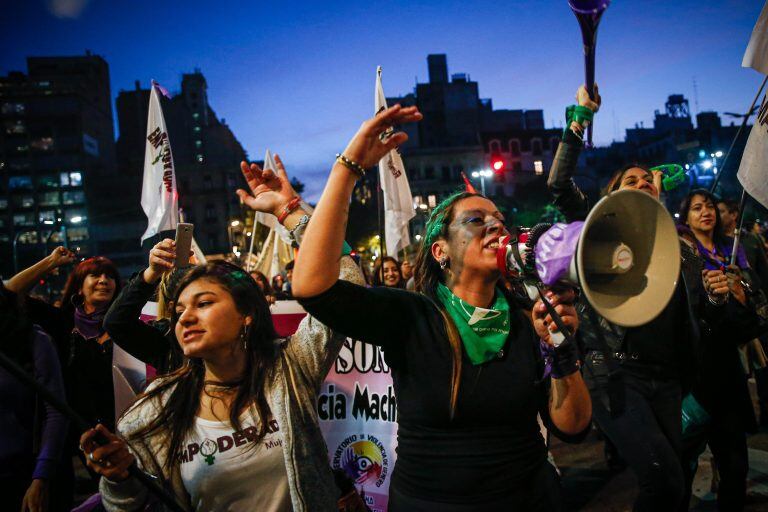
(470,393)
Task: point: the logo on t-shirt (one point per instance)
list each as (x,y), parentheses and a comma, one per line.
(208,448)
(363,458)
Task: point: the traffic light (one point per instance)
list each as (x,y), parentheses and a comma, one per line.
(497,164)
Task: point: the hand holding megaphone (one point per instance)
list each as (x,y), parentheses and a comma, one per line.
(625,257)
(543,321)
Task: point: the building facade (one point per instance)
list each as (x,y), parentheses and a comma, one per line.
(57,154)
(206,155)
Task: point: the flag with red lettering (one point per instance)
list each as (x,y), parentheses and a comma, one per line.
(159,198)
(398,202)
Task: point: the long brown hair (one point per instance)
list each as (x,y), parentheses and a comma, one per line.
(428,274)
(92,266)
(177,415)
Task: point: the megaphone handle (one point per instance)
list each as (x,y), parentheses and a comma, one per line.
(564,332)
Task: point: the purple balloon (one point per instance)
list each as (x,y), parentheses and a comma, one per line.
(589,6)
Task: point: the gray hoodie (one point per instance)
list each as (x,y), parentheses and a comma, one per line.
(305,360)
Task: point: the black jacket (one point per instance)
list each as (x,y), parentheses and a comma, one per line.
(705,323)
(151,342)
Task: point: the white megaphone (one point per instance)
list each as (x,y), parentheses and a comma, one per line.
(625,257)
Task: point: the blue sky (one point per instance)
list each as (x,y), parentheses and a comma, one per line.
(298,77)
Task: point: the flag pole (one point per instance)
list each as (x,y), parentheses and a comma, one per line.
(378,211)
(737,229)
(738,134)
(250,248)
(80,425)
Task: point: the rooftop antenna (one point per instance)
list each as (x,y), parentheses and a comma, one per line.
(695,96)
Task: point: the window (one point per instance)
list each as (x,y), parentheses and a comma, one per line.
(446,174)
(517,167)
(538,167)
(198,143)
(212,242)
(536,147)
(429,173)
(457,170)
(48,181)
(418,201)
(73,197)
(12,108)
(494,146)
(15,128)
(23,201)
(207,182)
(28,237)
(514,147)
(210,212)
(47,216)
(195,115)
(196,129)
(24,219)
(20,183)
(77,234)
(76,215)
(42,144)
(199,158)
(48,199)
(432,200)
(75,179)
(3,204)
(231,180)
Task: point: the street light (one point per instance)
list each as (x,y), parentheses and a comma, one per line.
(234,223)
(715,156)
(482,174)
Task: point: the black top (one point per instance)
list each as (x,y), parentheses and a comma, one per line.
(655,348)
(494,437)
(86,364)
(152,343)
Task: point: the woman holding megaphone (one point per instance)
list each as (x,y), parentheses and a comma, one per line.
(637,376)
(465,356)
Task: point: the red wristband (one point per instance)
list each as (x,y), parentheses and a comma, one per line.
(289,208)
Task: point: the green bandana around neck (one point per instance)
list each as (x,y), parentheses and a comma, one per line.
(483,331)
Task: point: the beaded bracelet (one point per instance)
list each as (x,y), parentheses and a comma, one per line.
(289,208)
(351,165)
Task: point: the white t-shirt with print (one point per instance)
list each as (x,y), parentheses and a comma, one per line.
(223,470)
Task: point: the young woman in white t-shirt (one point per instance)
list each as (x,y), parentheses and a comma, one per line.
(236,427)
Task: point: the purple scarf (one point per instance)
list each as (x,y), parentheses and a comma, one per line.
(712,259)
(90,325)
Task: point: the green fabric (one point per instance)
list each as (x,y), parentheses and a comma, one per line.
(578,113)
(436,221)
(694,416)
(674,175)
(483,331)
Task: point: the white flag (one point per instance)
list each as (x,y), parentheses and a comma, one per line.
(268,219)
(398,202)
(756,56)
(753,170)
(159,197)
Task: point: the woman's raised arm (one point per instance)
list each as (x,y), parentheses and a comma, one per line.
(317,265)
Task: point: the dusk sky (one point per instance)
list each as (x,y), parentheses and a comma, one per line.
(298,77)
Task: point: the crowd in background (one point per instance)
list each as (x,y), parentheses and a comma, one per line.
(659,393)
